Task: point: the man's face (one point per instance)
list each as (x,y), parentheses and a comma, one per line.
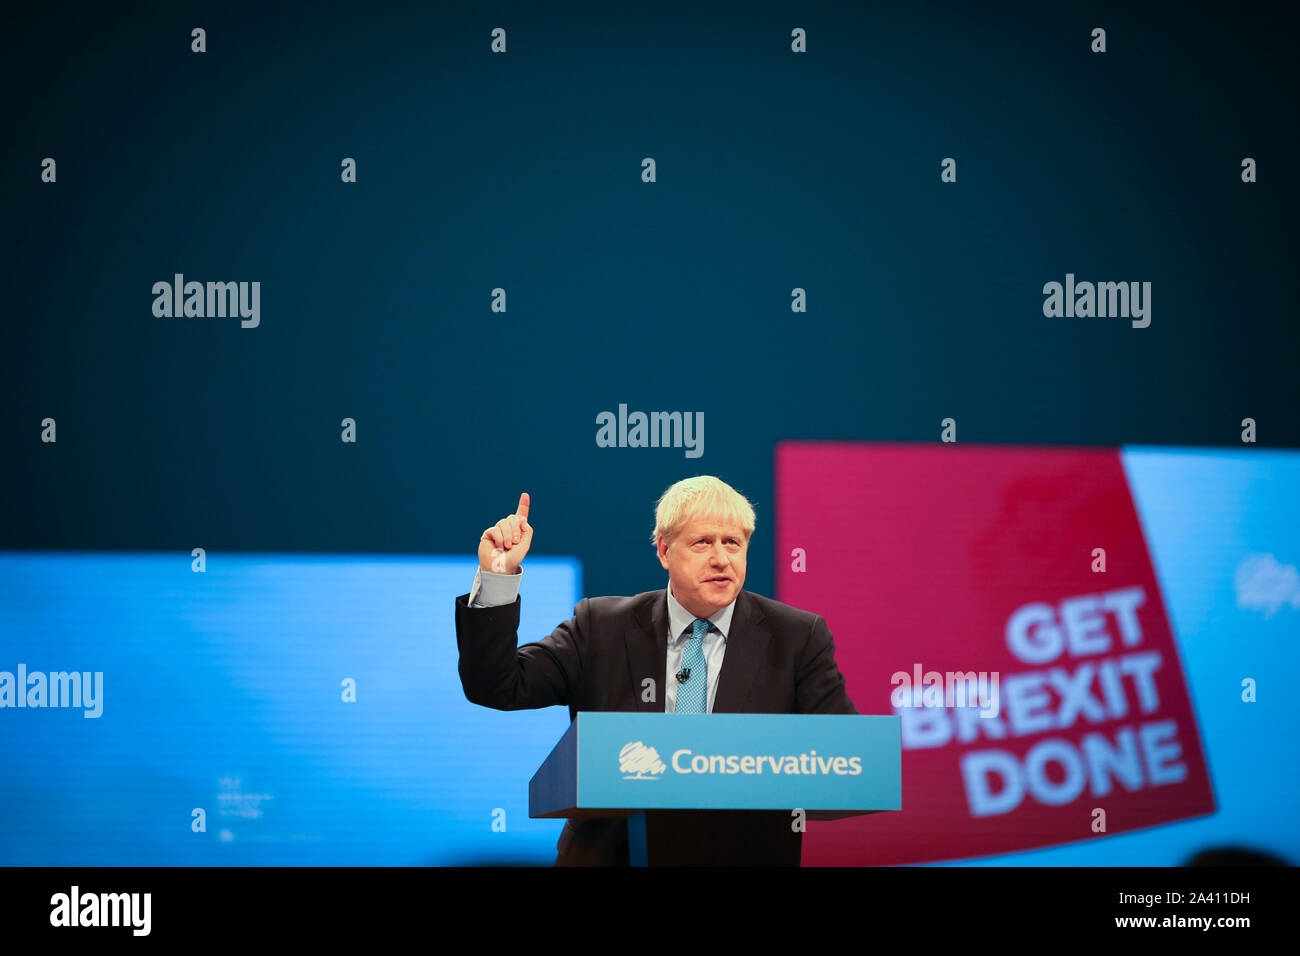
(706,565)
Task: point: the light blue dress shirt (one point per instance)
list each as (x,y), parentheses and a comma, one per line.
(491,589)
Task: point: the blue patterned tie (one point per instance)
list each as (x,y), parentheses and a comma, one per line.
(693,693)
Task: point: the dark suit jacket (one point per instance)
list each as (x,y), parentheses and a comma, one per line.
(779,660)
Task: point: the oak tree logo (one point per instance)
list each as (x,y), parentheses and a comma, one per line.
(636,761)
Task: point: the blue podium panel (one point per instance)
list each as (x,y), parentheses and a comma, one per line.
(623,762)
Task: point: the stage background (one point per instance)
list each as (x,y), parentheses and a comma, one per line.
(522,171)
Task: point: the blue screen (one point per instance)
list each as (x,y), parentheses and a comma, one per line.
(223,691)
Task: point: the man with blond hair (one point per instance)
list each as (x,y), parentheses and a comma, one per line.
(701,645)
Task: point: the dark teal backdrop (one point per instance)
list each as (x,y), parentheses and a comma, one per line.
(522,171)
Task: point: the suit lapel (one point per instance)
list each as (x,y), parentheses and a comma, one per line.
(746,649)
(647,651)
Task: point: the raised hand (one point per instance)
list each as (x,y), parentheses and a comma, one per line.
(503,546)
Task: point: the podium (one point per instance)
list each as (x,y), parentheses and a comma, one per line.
(719,789)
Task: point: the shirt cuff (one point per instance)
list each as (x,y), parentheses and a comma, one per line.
(492,589)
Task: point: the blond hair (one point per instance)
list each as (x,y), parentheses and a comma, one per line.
(703,497)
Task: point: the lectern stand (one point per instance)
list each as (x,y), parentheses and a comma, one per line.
(719,789)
